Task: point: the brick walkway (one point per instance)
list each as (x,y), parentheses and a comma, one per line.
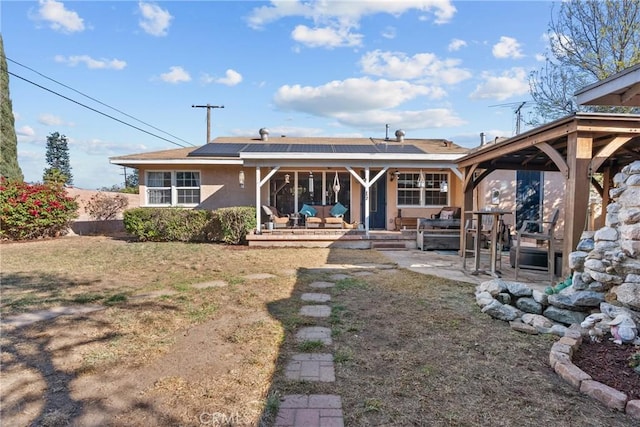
(314,410)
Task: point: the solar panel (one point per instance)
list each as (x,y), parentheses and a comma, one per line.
(234,149)
(218,150)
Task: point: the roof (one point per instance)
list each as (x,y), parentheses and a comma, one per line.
(238,150)
(523,151)
(620,89)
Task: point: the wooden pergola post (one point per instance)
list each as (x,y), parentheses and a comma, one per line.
(579,149)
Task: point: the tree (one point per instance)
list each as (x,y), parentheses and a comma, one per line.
(9,167)
(589,41)
(131,179)
(57,157)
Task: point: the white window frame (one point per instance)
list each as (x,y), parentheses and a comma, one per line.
(423,191)
(174,188)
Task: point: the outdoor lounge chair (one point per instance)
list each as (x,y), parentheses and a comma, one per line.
(279,220)
(545,233)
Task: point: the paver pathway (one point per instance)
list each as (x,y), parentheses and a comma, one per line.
(314,333)
(311,367)
(315,297)
(315,310)
(315,410)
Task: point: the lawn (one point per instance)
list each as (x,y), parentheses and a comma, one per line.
(198,334)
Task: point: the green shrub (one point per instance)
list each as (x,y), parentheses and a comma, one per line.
(171,224)
(228,225)
(236,223)
(33,211)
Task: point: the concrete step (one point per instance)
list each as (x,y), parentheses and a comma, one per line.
(389,246)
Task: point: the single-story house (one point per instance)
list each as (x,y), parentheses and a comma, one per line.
(378,180)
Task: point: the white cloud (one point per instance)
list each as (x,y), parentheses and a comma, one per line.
(338,18)
(389,33)
(408,119)
(155,20)
(58,17)
(25,131)
(175,75)
(348,96)
(72,61)
(511,83)
(456,44)
(231,78)
(507,47)
(325,37)
(425,66)
(50,120)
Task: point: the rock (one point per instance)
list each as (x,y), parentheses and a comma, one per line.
(483,298)
(523,327)
(607,233)
(494,287)
(504,297)
(518,289)
(628,294)
(564,316)
(540,297)
(632,168)
(529,305)
(585,245)
(630,247)
(594,265)
(629,216)
(629,196)
(536,320)
(633,181)
(576,300)
(501,311)
(605,245)
(629,232)
(577,259)
(577,282)
(604,277)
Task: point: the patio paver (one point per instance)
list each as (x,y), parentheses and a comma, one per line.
(339,276)
(315,297)
(315,310)
(311,367)
(314,333)
(315,410)
(322,285)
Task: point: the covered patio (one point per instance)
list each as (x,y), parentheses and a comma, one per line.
(579,147)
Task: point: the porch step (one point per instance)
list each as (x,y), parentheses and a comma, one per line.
(389,246)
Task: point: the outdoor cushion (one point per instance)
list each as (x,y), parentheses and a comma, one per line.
(446,214)
(338,210)
(307,210)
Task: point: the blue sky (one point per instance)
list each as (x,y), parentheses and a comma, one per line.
(436,69)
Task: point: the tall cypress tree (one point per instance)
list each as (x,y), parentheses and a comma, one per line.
(9,167)
(57,157)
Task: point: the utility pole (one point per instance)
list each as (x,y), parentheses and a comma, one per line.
(208,107)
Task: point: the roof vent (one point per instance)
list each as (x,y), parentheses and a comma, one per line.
(400,135)
(264,134)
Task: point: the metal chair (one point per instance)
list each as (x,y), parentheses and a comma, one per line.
(545,234)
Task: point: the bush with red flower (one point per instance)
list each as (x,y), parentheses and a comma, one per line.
(31,211)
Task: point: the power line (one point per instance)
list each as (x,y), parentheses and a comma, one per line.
(96,100)
(97,111)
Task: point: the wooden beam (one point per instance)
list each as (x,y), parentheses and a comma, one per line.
(556,157)
(630,93)
(577,195)
(607,151)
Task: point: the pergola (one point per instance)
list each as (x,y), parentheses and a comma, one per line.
(577,146)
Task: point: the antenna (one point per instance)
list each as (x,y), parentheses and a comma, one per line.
(518,106)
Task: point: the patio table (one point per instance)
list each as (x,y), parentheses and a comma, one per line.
(497,219)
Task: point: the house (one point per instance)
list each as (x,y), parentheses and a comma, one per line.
(378,180)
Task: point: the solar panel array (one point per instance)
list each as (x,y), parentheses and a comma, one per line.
(234,149)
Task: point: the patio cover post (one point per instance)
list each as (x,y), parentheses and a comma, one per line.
(579,148)
(258,201)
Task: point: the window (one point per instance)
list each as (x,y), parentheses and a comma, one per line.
(409,194)
(180,188)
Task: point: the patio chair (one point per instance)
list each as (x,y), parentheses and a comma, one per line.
(279,220)
(545,234)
